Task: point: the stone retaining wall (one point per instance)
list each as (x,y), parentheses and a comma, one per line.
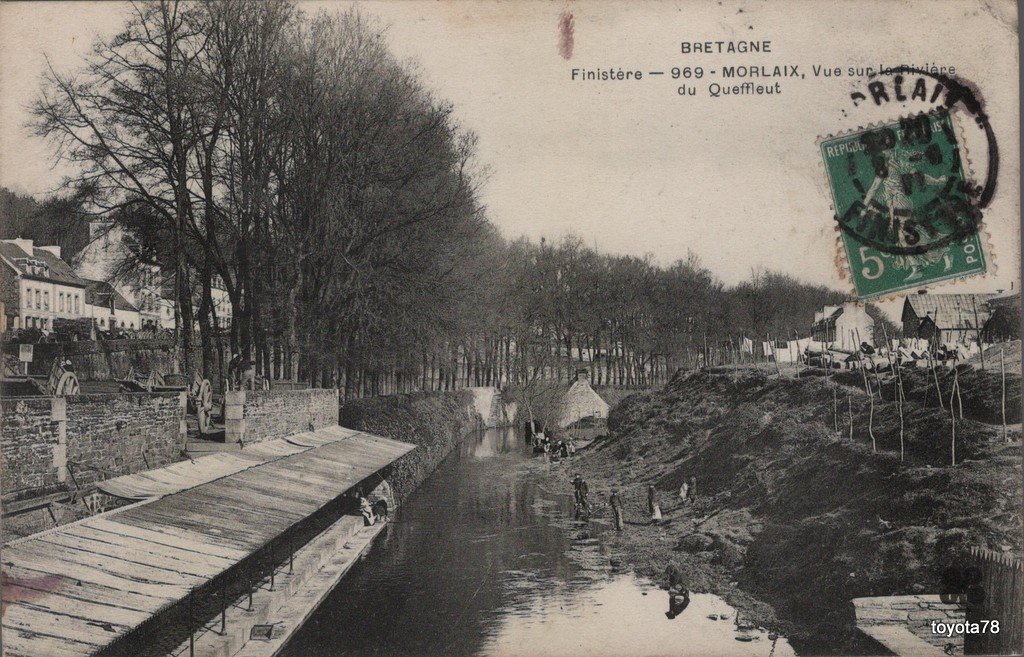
(902,622)
(253,416)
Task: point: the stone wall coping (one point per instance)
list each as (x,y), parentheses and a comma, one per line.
(97,396)
(888,600)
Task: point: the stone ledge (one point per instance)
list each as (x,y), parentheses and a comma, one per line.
(901,641)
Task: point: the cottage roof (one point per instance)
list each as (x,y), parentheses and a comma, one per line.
(951,311)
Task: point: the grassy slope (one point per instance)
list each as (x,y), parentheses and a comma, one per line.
(794,513)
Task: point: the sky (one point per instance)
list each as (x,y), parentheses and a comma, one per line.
(633,167)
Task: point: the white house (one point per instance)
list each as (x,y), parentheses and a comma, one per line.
(844,326)
(99,261)
(38,286)
(109,309)
(581,401)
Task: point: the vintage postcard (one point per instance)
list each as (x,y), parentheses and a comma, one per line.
(514,328)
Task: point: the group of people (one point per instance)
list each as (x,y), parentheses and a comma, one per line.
(687,493)
(371,511)
(556,447)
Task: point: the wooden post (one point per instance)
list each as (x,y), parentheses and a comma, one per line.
(977,326)
(835,408)
(871,402)
(796,360)
(191,628)
(956,387)
(849,412)
(935,374)
(1002,373)
(952,415)
(775,357)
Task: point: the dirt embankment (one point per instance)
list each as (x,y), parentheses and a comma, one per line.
(793,517)
(435,422)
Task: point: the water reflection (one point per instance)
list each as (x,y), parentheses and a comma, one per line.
(483,560)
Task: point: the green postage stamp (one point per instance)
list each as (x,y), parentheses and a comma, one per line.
(904,207)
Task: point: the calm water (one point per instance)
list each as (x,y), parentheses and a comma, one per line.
(483,560)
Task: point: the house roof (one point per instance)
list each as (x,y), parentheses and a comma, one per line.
(829,314)
(100,293)
(12,252)
(1004,300)
(951,311)
(60,271)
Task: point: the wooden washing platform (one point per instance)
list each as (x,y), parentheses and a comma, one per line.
(318,567)
(81,588)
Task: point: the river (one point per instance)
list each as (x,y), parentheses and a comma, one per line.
(484,560)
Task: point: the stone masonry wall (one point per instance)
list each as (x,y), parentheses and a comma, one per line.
(29,436)
(111,435)
(269,414)
(94,436)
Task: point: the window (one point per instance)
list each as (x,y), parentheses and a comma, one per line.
(28,297)
(39,299)
(46,300)
(76,304)
(60,301)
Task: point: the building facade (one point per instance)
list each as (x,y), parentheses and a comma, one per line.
(945,318)
(109,309)
(101,260)
(581,401)
(845,326)
(38,287)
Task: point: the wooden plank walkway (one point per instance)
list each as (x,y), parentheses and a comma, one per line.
(77,588)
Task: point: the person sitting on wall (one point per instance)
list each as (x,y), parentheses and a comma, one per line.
(235,371)
(248,374)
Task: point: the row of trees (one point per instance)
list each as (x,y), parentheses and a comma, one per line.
(294,158)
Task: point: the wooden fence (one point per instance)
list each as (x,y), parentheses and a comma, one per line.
(1003,585)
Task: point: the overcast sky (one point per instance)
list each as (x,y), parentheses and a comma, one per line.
(630,167)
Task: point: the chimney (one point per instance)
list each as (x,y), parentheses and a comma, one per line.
(922,291)
(583,375)
(55,250)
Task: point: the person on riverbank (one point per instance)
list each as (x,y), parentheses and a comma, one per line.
(616,504)
(678,593)
(652,504)
(580,492)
